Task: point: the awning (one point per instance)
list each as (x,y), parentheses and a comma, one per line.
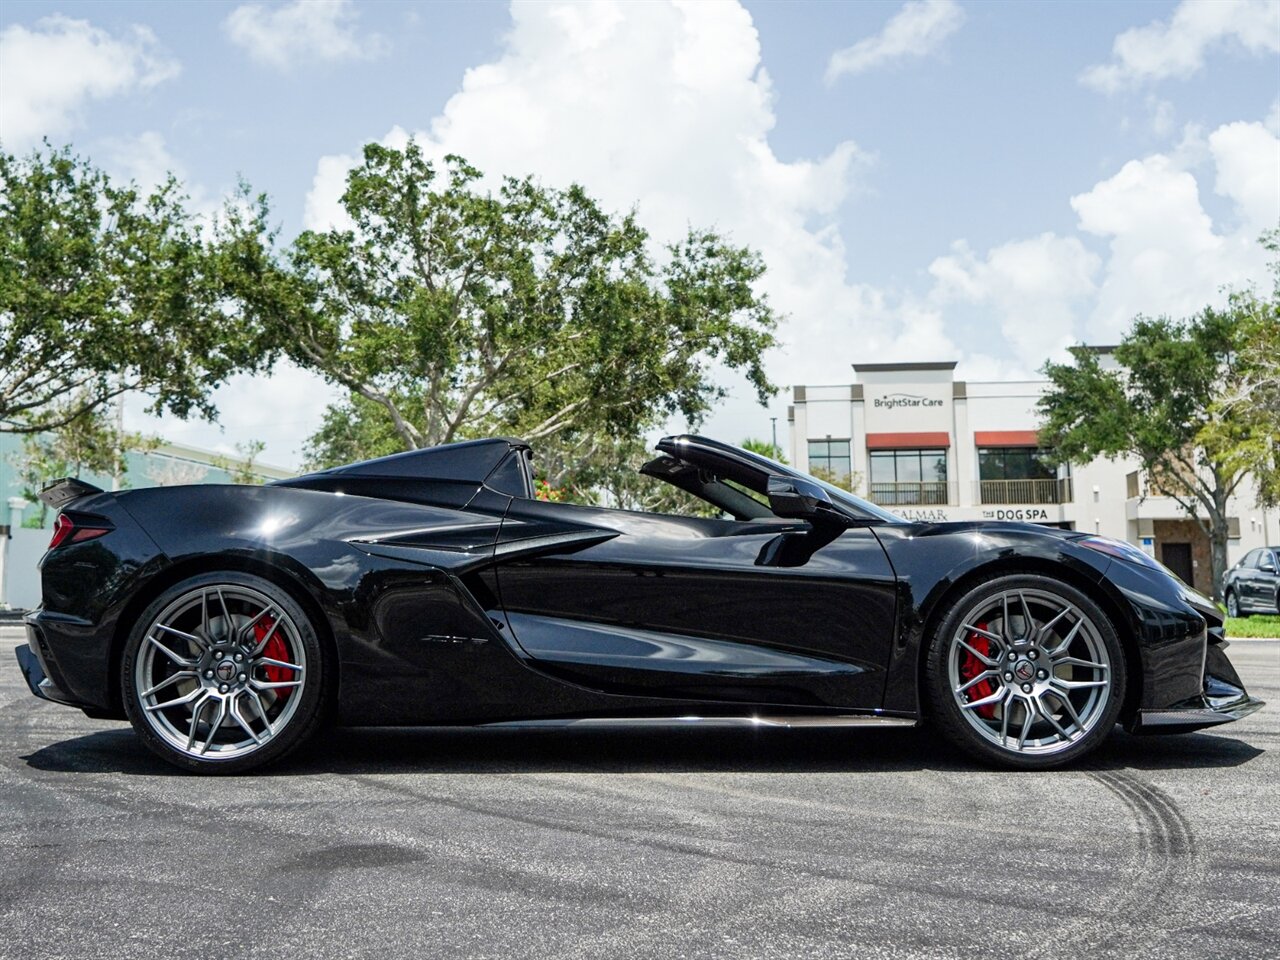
(908,441)
(1006,438)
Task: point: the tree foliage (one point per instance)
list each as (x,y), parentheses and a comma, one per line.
(241,467)
(1163,406)
(87,443)
(1256,394)
(449,312)
(105,290)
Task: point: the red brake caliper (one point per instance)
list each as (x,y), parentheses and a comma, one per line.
(971,666)
(275,650)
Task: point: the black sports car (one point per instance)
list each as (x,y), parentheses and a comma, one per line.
(431,587)
(1253,584)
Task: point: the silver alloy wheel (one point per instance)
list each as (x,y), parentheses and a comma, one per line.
(1233,605)
(220,672)
(1029,671)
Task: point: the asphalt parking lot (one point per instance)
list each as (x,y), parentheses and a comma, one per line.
(642,843)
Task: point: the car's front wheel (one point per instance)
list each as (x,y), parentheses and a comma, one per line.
(1025,671)
(1233,605)
(222,673)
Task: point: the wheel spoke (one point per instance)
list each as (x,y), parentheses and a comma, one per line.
(273,685)
(1043,630)
(266,638)
(984,701)
(1029,621)
(167,681)
(279,663)
(983,633)
(1063,699)
(204,615)
(196,711)
(215,726)
(1027,706)
(185,698)
(1067,640)
(226,614)
(1044,712)
(180,661)
(262,711)
(1005,626)
(976,680)
(198,641)
(1005,711)
(235,715)
(247,630)
(988,661)
(1076,684)
(1077,662)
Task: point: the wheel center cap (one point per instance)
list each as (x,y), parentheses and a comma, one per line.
(1024,670)
(225,670)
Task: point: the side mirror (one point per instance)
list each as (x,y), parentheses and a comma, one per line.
(798,499)
(1266,566)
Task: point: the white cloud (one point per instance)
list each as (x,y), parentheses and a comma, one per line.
(1036,288)
(665,107)
(917,30)
(578,91)
(281,410)
(50,71)
(1166,255)
(1247,156)
(284,36)
(144,159)
(1177,48)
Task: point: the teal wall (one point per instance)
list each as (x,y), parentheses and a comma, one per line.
(139,467)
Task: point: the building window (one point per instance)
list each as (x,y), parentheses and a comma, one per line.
(829,460)
(1019,475)
(906,477)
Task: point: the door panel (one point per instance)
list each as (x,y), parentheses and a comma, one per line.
(741,611)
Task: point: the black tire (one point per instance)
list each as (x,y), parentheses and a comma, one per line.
(298,704)
(982,735)
(1233,599)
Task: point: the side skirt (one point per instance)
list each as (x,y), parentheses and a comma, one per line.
(790,722)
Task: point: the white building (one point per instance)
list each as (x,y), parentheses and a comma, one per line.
(930,447)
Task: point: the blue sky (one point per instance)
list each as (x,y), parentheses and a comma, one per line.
(984,182)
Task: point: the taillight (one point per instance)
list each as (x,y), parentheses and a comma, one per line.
(66,530)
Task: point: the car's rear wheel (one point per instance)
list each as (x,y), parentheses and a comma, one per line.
(1025,671)
(222,673)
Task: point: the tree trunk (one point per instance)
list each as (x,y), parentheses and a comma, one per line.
(1218,531)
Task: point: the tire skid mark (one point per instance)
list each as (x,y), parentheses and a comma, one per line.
(1028,901)
(1136,912)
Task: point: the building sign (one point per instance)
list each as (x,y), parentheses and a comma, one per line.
(894,400)
(949,514)
(1029,514)
(922,514)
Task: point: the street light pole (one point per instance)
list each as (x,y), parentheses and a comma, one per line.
(776,451)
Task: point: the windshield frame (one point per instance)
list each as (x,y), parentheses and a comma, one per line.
(717,455)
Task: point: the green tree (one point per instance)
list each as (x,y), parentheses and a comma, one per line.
(1256,395)
(241,467)
(104,291)
(765,448)
(1164,408)
(450,312)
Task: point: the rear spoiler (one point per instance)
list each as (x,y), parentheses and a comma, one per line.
(62,492)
